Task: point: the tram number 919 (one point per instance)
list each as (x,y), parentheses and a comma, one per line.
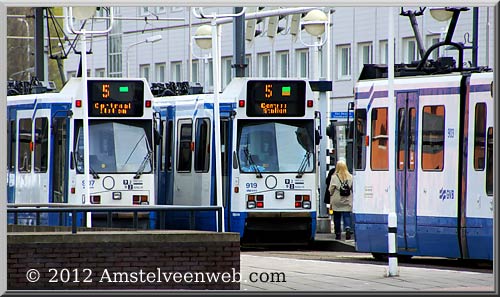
(251,185)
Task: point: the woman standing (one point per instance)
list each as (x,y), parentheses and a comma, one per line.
(341,199)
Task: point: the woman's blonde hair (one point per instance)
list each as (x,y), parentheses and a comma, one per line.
(342,171)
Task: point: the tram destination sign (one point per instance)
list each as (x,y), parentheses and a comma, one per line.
(276,98)
(109,98)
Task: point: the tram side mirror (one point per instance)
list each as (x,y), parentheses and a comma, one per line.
(235,160)
(318,137)
(72,163)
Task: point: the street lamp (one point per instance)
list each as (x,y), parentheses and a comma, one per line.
(203,39)
(316,23)
(150,39)
(441,14)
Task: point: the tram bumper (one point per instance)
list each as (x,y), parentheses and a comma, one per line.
(278,221)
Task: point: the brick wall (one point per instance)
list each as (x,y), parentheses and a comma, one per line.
(123,260)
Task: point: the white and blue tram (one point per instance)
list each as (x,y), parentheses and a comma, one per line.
(268,154)
(443,177)
(46,141)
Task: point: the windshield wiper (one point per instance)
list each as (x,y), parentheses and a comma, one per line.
(303,164)
(252,163)
(143,164)
(94,174)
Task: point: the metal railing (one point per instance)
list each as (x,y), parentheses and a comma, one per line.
(160,211)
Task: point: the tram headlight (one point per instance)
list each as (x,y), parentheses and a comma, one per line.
(306,204)
(117,195)
(250,204)
(280,195)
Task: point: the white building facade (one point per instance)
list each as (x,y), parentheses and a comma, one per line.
(358,35)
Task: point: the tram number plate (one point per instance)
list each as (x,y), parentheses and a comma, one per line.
(91,184)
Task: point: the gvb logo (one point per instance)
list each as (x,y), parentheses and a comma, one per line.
(446,194)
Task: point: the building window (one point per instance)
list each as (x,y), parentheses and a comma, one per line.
(176,8)
(144,10)
(433,138)
(176,71)
(184,150)
(360,149)
(115,50)
(379,153)
(160,72)
(384,52)
(431,40)
(410,50)
(282,64)
(202,145)
(226,71)
(248,62)
(144,71)
(210,73)
(479,136)
(71,74)
(160,9)
(302,63)
(100,72)
(344,61)
(195,70)
(365,51)
(264,65)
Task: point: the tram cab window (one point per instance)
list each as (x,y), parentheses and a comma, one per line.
(25,143)
(184,156)
(479,136)
(360,134)
(41,144)
(489,163)
(379,153)
(433,138)
(11,136)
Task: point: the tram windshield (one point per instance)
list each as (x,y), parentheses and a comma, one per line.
(276,146)
(115,147)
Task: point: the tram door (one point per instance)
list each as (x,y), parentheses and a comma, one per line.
(59,163)
(406,168)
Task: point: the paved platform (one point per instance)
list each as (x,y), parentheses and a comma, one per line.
(327,242)
(262,273)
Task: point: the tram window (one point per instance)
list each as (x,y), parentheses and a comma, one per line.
(433,138)
(479,136)
(202,145)
(60,159)
(412,118)
(379,153)
(163,145)
(11,135)
(41,144)
(400,158)
(360,149)
(489,163)
(24,158)
(170,137)
(184,156)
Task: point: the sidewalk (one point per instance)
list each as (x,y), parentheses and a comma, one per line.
(261,273)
